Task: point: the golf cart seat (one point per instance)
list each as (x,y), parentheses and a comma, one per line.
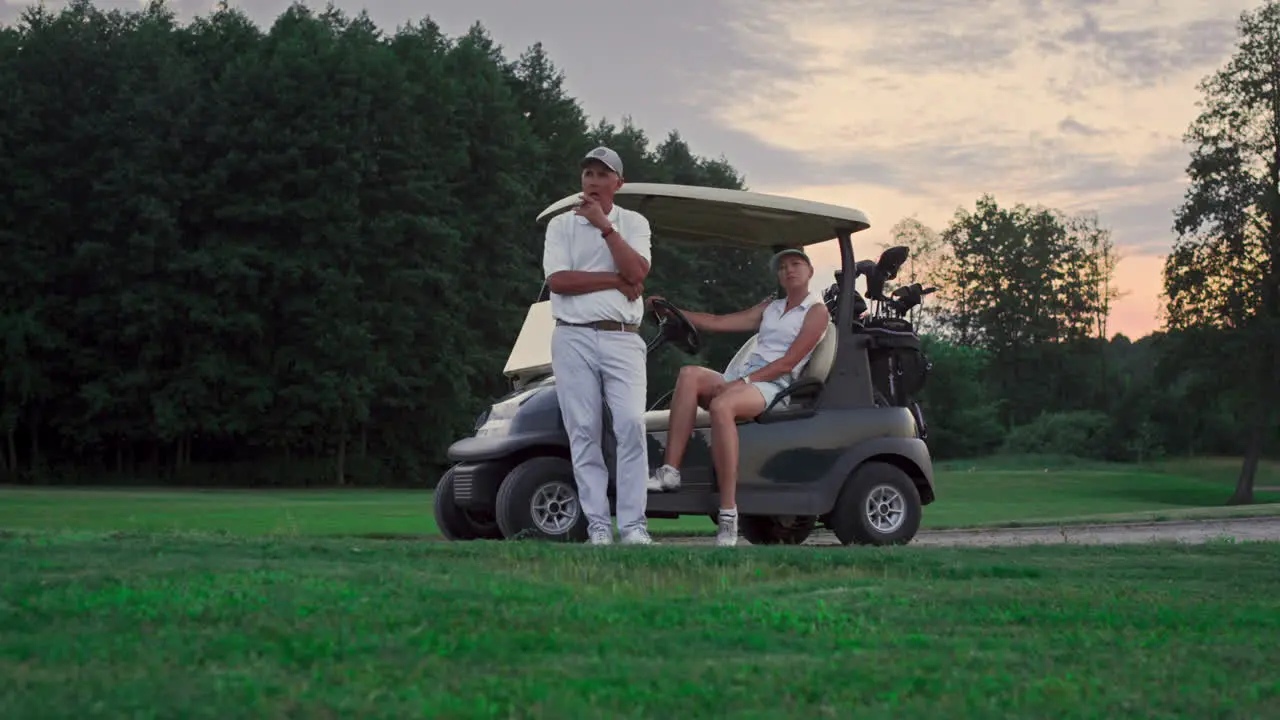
(809,382)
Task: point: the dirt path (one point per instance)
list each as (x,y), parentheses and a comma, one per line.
(1192,531)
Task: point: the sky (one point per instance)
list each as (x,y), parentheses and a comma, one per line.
(900,109)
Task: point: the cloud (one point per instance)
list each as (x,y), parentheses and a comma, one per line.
(897,108)
(1079,106)
(1140,50)
(1071,125)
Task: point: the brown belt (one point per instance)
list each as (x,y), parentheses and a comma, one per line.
(606,325)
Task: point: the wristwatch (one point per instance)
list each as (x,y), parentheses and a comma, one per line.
(607,232)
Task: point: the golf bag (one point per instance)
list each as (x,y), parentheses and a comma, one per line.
(899,367)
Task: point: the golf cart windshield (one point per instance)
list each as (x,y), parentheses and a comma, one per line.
(695,215)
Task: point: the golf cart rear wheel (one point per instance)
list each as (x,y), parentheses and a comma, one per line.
(539,500)
(776,529)
(457,523)
(879,505)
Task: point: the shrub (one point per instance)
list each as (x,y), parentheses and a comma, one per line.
(1081,433)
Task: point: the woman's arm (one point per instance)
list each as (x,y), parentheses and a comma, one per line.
(815,324)
(741,321)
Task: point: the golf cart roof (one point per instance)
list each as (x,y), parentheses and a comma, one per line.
(738,218)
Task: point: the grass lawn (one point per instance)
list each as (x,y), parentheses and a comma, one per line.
(217,627)
(998,491)
(1035,490)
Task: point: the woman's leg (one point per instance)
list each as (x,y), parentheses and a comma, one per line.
(692,383)
(738,400)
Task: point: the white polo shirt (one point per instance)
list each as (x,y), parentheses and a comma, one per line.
(779,329)
(573,243)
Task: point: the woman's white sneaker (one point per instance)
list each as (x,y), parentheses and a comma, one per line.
(664,479)
(727,532)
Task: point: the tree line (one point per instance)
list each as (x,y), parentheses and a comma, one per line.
(299,254)
(1022,359)
(292,254)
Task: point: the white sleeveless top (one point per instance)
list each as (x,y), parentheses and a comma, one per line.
(778,330)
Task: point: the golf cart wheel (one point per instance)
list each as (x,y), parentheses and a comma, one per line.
(879,505)
(539,500)
(457,523)
(776,529)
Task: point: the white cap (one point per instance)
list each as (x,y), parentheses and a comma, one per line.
(606,156)
(777,259)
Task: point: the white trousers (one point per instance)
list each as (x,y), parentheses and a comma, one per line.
(594,367)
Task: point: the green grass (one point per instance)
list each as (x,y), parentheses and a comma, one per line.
(1030,490)
(129,603)
(195,627)
(992,492)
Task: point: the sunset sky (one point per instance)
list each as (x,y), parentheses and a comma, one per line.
(897,108)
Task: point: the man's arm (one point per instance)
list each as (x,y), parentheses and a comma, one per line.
(631,254)
(815,324)
(580,282)
(563,279)
(558,268)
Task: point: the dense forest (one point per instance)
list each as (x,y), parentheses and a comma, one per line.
(299,254)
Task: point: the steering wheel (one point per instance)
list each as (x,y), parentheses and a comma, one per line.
(675,328)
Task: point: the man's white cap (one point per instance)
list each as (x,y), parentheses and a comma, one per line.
(606,156)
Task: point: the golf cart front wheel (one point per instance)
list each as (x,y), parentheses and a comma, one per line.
(776,529)
(879,505)
(539,500)
(457,523)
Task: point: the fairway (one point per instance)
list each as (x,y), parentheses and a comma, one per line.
(181,626)
(236,604)
(970,493)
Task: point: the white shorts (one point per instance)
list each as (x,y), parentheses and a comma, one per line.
(769,389)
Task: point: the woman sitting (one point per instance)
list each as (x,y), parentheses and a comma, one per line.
(789,329)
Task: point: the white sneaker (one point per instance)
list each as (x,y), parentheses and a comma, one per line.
(601,536)
(638,536)
(664,479)
(727,534)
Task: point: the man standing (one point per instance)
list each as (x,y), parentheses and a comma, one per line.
(596,259)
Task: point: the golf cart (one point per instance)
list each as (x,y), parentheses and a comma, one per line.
(847,450)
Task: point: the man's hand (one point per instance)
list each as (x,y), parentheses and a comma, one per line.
(591,210)
(631,291)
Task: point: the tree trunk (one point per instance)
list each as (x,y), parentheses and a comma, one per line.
(34,461)
(1260,427)
(1244,484)
(342,460)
